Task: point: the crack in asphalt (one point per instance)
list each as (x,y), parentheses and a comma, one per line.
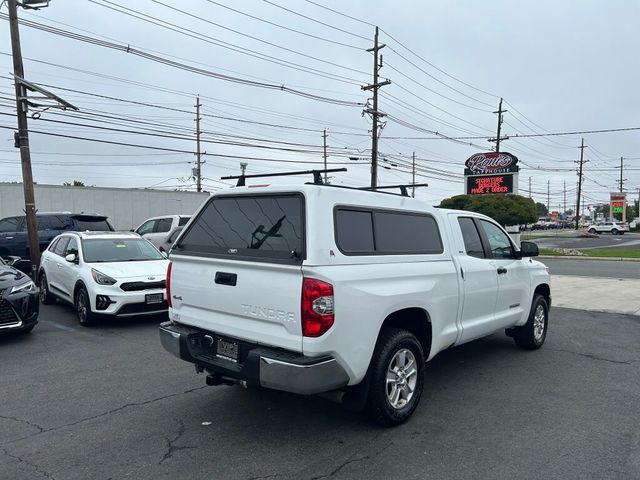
(274,475)
(593,357)
(104,414)
(352,459)
(171,448)
(37,468)
(26,422)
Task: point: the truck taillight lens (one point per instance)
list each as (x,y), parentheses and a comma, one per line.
(168,284)
(317,307)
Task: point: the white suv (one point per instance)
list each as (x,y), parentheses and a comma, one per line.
(104,273)
(614,228)
(158,229)
(313,288)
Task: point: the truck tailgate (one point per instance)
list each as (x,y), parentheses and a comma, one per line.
(254,301)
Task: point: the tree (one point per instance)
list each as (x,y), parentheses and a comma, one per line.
(506,209)
(75,183)
(543,211)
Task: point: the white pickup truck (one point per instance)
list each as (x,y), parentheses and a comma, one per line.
(318,288)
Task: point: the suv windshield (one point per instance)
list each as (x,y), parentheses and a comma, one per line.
(118,250)
(253,227)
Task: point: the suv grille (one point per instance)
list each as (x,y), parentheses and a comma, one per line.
(7,315)
(139,286)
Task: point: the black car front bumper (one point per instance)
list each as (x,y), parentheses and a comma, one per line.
(257,365)
(18,311)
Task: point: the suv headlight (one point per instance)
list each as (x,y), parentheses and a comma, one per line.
(102,279)
(25,287)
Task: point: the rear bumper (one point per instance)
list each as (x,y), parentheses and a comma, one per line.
(258,365)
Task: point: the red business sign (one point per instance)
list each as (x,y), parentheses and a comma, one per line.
(492,162)
(490,184)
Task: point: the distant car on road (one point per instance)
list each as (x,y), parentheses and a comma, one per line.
(157,229)
(614,228)
(170,239)
(13,230)
(104,274)
(18,300)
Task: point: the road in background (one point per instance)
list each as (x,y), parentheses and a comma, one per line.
(109,402)
(567,239)
(593,268)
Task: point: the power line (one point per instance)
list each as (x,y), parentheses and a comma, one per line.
(182,66)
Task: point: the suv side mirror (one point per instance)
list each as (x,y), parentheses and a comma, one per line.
(528,249)
(71,258)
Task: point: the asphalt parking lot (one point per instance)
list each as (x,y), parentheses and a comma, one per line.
(110,403)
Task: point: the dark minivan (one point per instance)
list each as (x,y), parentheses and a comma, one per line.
(13,230)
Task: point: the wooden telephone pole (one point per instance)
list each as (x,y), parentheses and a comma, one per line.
(581,163)
(375,115)
(23,140)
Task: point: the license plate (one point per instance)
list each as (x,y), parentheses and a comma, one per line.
(227,350)
(152,298)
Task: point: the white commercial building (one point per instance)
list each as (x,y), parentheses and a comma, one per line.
(126,207)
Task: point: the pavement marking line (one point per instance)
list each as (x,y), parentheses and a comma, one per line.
(60,326)
(599,294)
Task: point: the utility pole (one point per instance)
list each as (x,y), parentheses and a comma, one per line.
(529,187)
(413,175)
(375,115)
(622,180)
(564,194)
(324,138)
(548,196)
(582,147)
(500,111)
(198,155)
(243,167)
(23,141)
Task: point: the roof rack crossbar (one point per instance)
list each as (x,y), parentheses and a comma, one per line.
(317,177)
(402,187)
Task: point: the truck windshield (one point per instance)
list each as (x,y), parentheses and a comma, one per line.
(253,227)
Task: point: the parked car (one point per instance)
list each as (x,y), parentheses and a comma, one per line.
(104,274)
(165,245)
(19,304)
(614,228)
(315,288)
(157,229)
(13,231)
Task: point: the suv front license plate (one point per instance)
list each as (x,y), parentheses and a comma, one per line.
(151,298)
(227,350)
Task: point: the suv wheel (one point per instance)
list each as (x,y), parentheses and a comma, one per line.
(397,377)
(532,334)
(614,231)
(592,230)
(83,308)
(45,295)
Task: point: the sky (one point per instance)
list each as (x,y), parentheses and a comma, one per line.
(559,66)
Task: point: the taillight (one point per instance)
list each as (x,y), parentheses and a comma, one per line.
(317,307)
(168,283)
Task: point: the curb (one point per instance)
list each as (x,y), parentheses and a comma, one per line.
(584,257)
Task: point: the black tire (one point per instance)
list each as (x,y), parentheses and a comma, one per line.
(83,308)
(592,230)
(45,295)
(529,336)
(614,231)
(388,352)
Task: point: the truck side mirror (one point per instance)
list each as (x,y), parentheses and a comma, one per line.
(528,249)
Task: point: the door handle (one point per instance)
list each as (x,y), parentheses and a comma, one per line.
(224,278)
(501,270)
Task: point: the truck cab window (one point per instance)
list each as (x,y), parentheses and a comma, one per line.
(471,237)
(499,242)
